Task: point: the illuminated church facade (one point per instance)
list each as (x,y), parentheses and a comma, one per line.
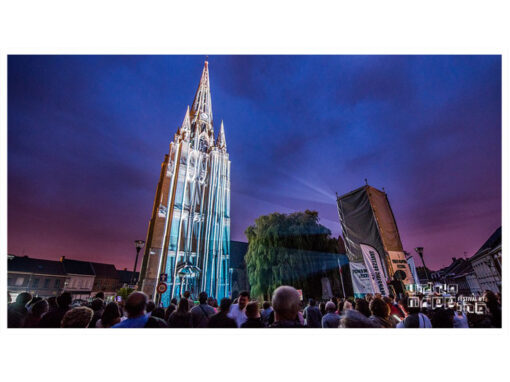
(188,238)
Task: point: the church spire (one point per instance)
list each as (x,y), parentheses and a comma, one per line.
(202,102)
(186,124)
(221,142)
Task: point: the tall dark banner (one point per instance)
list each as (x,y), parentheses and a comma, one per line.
(369,228)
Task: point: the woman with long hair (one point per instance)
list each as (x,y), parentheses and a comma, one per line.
(181,318)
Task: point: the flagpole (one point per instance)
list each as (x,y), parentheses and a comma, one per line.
(341,277)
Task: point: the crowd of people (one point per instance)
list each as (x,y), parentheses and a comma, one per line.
(285,310)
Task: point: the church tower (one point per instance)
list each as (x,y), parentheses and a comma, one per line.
(188,239)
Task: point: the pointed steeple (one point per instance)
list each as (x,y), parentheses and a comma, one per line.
(221,142)
(202,102)
(186,124)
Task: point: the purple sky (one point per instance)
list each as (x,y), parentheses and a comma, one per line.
(87,135)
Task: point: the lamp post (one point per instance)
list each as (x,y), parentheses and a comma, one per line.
(419,251)
(139,245)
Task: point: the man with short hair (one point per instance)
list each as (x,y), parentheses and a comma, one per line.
(312,315)
(136,308)
(237,311)
(252,312)
(201,313)
(286,302)
(330,319)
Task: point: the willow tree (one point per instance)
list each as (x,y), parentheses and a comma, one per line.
(285,249)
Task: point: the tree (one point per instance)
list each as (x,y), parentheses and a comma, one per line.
(288,249)
(124,293)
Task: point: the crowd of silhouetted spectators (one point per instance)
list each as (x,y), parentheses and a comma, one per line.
(286,310)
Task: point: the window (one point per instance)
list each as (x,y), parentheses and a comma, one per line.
(20,281)
(57,283)
(47,283)
(35,283)
(10,281)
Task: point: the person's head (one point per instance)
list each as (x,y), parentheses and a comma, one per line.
(183,306)
(174,301)
(266,305)
(158,312)
(39,308)
(490,298)
(354,319)
(442,318)
(311,302)
(215,303)
(33,301)
(252,310)
(369,297)
(171,308)
(286,302)
(100,295)
(23,298)
(136,304)
(330,307)
(186,294)
(202,298)
(111,315)
(225,305)
(52,302)
(64,300)
(79,317)
(347,306)
(244,298)
(322,307)
(97,304)
(210,301)
(150,306)
(379,308)
(362,306)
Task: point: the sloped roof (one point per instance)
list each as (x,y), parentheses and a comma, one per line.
(125,276)
(30,265)
(105,270)
(492,242)
(78,267)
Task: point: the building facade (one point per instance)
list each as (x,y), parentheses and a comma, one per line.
(106,279)
(43,278)
(486,263)
(80,278)
(188,238)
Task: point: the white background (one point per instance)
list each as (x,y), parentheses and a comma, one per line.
(278,27)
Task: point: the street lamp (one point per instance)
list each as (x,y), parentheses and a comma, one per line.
(139,245)
(419,251)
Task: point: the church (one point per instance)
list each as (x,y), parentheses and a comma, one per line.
(188,238)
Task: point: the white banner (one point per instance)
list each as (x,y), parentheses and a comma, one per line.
(360,280)
(399,263)
(412,266)
(375,269)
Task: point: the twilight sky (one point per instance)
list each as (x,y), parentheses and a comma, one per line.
(87,134)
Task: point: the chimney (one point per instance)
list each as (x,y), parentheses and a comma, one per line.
(62,258)
(454,259)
